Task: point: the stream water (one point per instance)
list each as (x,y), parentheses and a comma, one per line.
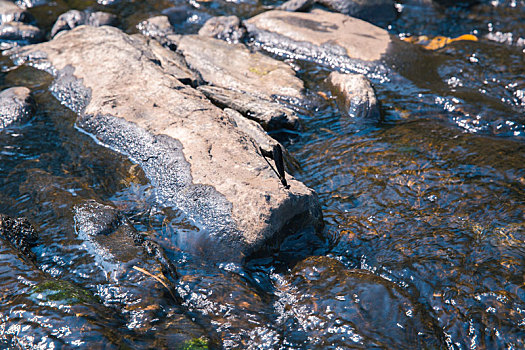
(424,239)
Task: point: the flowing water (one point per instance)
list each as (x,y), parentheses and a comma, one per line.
(424,242)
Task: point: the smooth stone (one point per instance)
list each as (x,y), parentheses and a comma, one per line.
(160,29)
(9,12)
(188,148)
(374,11)
(355,95)
(16,106)
(328,38)
(227,28)
(75,18)
(296,5)
(323,304)
(18,33)
(270,115)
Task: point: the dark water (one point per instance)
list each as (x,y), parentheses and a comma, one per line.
(425,223)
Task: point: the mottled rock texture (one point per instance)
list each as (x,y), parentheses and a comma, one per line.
(189,149)
(16,106)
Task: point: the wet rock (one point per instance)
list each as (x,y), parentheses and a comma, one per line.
(296,5)
(160,29)
(187,147)
(355,95)
(16,106)
(37,311)
(270,115)
(226,28)
(238,312)
(374,11)
(18,34)
(327,38)
(31,3)
(322,304)
(19,232)
(9,12)
(253,78)
(75,18)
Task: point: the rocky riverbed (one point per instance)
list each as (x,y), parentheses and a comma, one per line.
(250,174)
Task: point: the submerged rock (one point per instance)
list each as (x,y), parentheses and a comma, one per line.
(323,304)
(16,106)
(37,311)
(327,38)
(227,28)
(9,12)
(355,95)
(75,18)
(18,34)
(188,148)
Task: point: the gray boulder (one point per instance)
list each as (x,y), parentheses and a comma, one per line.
(226,28)
(355,95)
(9,12)
(16,106)
(188,148)
(75,18)
(328,38)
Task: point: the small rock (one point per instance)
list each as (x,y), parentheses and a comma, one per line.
(19,232)
(374,11)
(19,34)
(160,29)
(270,115)
(16,105)
(9,12)
(296,5)
(355,95)
(328,38)
(226,28)
(74,18)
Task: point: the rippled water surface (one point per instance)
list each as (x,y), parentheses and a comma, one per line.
(424,242)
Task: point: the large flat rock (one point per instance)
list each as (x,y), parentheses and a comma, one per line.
(325,37)
(189,149)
